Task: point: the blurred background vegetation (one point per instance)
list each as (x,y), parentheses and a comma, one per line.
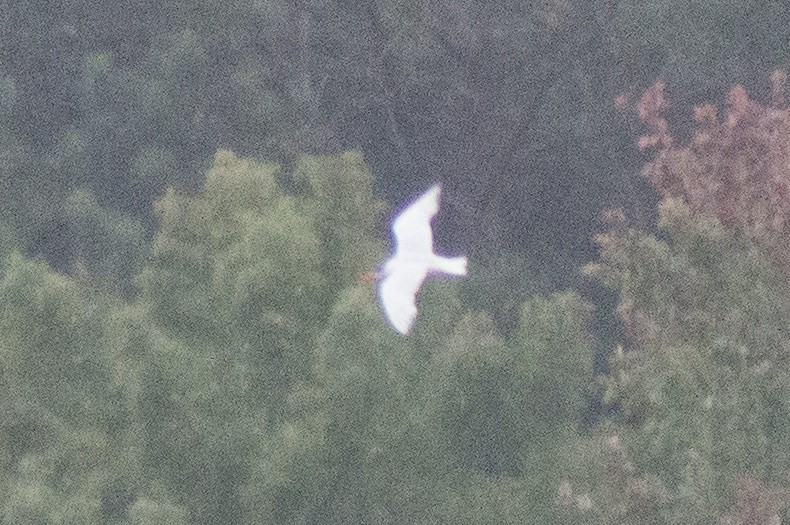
(190,192)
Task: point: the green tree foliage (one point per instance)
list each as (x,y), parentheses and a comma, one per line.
(71,442)
(235,280)
(244,266)
(48,327)
(438,427)
(338,193)
(339,451)
(510,408)
(242,282)
(145,511)
(703,384)
(254,380)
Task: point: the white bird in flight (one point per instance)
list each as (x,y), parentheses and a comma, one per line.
(403,273)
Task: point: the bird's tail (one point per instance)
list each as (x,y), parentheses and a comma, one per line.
(453,266)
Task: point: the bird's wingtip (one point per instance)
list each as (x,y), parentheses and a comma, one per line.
(435,191)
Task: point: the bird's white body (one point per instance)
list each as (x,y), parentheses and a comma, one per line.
(414,259)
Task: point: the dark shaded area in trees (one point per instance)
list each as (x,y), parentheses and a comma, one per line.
(510,105)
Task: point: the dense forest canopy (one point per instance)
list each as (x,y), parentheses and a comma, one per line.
(191,193)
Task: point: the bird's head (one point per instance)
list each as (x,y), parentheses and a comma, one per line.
(379,273)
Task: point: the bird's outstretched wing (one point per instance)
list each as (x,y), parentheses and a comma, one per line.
(398,296)
(412,228)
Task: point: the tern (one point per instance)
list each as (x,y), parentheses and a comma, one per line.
(402,274)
